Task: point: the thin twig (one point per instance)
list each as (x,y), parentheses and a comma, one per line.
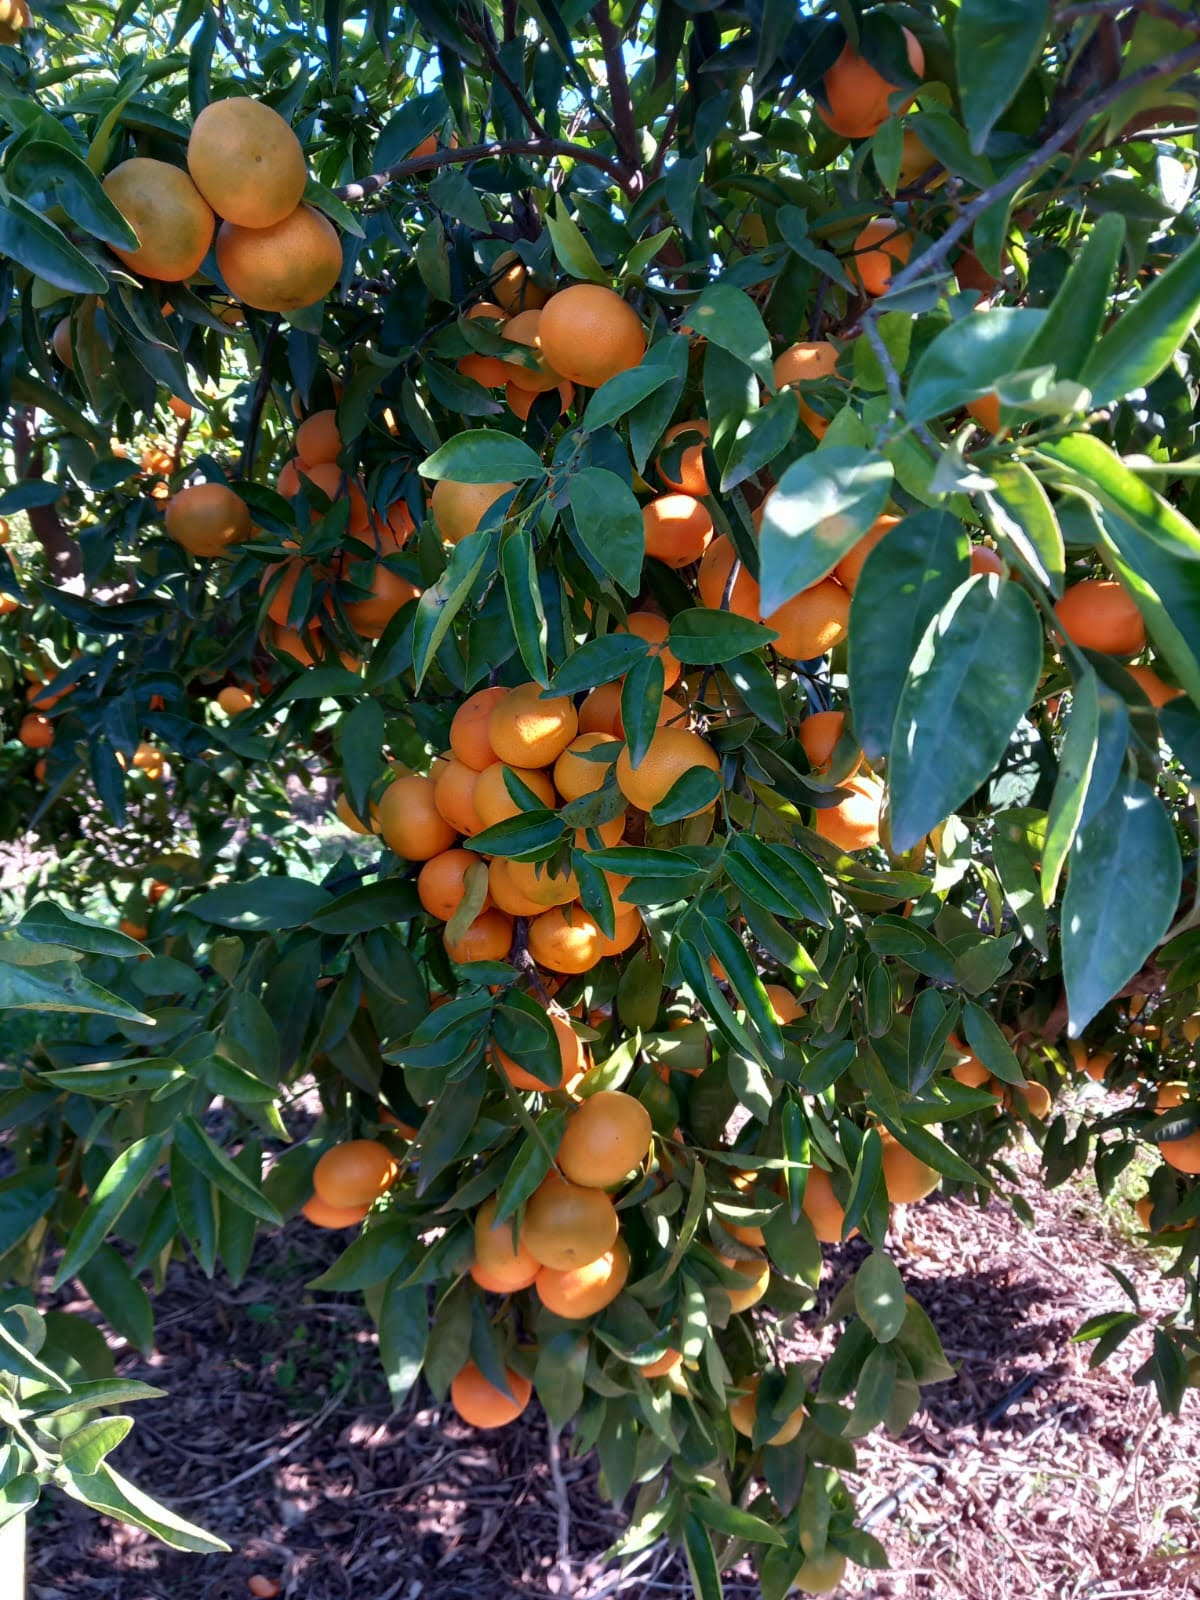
(563,1507)
(486,36)
(412,165)
(618,93)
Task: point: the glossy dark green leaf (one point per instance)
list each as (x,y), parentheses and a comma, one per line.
(997,44)
(967,359)
(1122,896)
(52,168)
(727,317)
(1022,515)
(1077,314)
(641,701)
(34,241)
(822,505)
(608,522)
(971,680)
(598,661)
(702,637)
(1141,344)
(482,455)
(261,904)
(199,1150)
(518,567)
(402,1320)
(879,1296)
(112,1195)
(443,600)
(766,435)
(107,1492)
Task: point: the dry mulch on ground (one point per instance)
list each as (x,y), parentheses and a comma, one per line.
(1029,1477)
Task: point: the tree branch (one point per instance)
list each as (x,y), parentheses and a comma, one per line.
(486,36)
(365,187)
(1019,175)
(61,551)
(1117,8)
(618,92)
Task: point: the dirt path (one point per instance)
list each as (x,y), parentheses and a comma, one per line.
(1029,1477)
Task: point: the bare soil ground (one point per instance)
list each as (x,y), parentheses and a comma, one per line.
(1029,1477)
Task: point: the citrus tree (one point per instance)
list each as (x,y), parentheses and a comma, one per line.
(612,591)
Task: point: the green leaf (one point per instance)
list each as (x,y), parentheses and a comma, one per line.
(201,1153)
(641,701)
(574,253)
(518,566)
(452,192)
(50,167)
(692,791)
(88,1396)
(372,906)
(969,684)
(1076,762)
(1022,515)
(34,241)
(389,1247)
(483,455)
(18,1359)
(443,600)
(1017,850)
(403,1323)
(732,1520)
(702,637)
(761,438)
(997,44)
(1122,895)
(60,986)
(106,1491)
(360,745)
(879,1296)
(822,506)
(1141,344)
(122,1301)
(968,358)
(597,661)
(86,1448)
(615,399)
(261,905)
(990,1045)
(1078,312)
(905,582)
(51,924)
(339,213)
(701,1562)
(112,1194)
(608,521)
(650,416)
(727,317)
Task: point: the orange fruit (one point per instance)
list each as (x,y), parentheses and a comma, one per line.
(820,1574)
(504,892)
(918,165)
(565,940)
(410,822)
(986,411)
(654,630)
(588,334)
(8,605)
(520,401)
(970,1071)
(288,481)
(713,579)
(179,408)
(985,560)
(666,1363)
(488,371)
(513,288)
(280,604)
(246,162)
(672,752)
(347,817)
(454,796)
(573,775)
(970,273)
(880,250)
(207,518)
(493,802)
(743,1410)
(322,1215)
(540,377)
(469,728)
(853,824)
(804,362)
(36,732)
(1035,1097)
(819,734)
(583,1291)
(784,1003)
(306,651)
(604,1139)
(609,834)
(904,1176)
(1170,1095)
(757,1275)
(156,460)
(15,16)
(1098,614)
(391,532)
(290,264)
(822,1207)
(441,882)
(481,1404)
(335,485)
(692,478)
(262,1587)
(390,593)
(627,924)
(1153,687)
(857,94)
(526,730)
(458,508)
(539,886)
(355,1173)
(850,566)
(232,700)
(495,1255)
(488,938)
(60,343)
(488,310)
(170,216)
(566,1226)
(678,529)
(131,929)
(318,439)
(601,711)
(571,1048)
(1182,1154)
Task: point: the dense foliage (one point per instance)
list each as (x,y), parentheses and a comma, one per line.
(804,403)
